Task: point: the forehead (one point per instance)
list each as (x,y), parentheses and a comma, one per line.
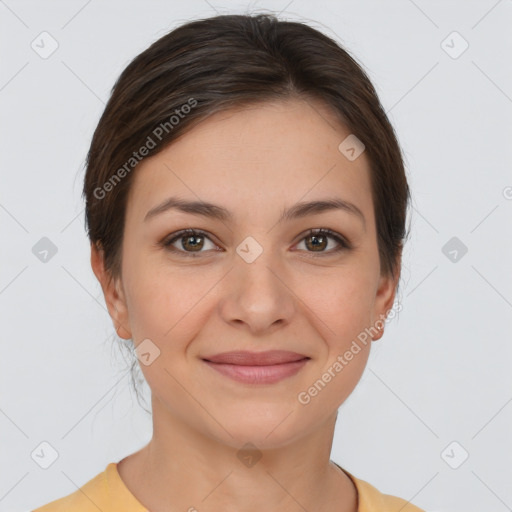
(256,156)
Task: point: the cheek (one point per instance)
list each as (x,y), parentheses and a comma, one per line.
(165,302)
(152,298)
(342,308)
(163,308)
(342,301)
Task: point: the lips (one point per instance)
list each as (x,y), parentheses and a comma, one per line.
(245,358)
(257,368)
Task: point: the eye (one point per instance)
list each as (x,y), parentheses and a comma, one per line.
(317,241)
(189,241)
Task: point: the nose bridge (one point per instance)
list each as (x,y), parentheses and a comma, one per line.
(258,295)
(256,266)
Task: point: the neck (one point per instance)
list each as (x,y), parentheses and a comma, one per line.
(184,469)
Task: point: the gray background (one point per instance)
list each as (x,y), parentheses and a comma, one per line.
(440,374)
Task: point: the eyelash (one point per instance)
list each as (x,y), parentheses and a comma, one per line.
(344,245)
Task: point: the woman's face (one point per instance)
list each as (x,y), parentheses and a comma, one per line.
(252,280)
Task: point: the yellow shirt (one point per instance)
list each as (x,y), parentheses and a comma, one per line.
(108,493)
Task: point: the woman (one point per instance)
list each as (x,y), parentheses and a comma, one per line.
(246,203)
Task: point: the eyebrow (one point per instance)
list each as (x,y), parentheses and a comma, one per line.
(220,213)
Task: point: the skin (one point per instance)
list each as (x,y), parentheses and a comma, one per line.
(254,161)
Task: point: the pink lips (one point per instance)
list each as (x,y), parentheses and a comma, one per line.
(257,367)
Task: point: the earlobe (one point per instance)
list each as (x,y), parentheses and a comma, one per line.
(112,292)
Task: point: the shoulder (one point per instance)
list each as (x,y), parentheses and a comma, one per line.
(372,500)
(106,492)
(92,496)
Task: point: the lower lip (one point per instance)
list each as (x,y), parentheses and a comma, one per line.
(258,374)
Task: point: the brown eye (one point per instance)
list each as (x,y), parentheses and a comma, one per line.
(193,242)
(317,241)
(190,242)
(187,242)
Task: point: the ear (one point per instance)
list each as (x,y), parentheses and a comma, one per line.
(113,293)
(384,299)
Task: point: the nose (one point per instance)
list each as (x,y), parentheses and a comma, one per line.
(258,296)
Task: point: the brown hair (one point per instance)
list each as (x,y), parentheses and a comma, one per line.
(227,61)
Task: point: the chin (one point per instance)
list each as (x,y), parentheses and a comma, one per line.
(266,431)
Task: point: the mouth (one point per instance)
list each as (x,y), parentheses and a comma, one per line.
(257,367)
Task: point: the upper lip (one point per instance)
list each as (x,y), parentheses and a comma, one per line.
(245,358)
